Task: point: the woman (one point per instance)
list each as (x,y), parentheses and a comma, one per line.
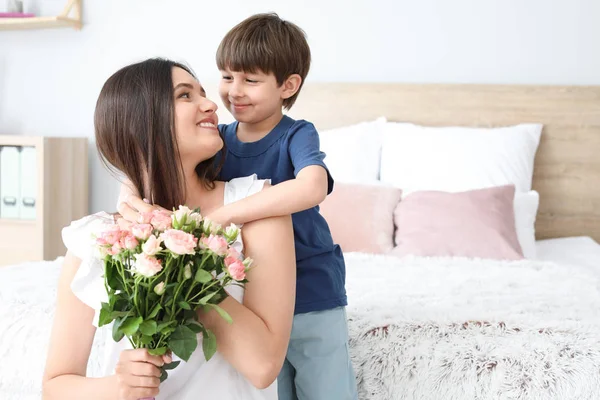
(154,124)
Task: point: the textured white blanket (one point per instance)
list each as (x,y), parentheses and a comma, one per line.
(457,329)
(27,302)
(434,329)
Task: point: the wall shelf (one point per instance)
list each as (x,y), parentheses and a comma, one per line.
(69,18)
(10,221)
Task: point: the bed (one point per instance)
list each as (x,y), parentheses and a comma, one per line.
(406,342)
(421,326)
(427,327)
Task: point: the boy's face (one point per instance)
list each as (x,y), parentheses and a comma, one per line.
(251,97)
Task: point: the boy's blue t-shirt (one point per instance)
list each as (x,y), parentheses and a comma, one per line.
(279,156)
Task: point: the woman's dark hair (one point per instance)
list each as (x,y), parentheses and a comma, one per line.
(134,124)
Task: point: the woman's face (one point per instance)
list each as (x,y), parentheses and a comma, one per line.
(196,122)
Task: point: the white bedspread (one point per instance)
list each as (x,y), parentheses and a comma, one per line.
(27,302)
(473,329)
(435,329)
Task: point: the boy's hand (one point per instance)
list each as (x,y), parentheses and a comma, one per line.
(132,208)
(220,216)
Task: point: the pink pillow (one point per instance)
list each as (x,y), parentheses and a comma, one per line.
(361,217)
(478,223)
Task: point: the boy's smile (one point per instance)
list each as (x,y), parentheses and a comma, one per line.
(251,97)
(240,107)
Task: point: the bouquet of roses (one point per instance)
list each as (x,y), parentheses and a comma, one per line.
(159,272)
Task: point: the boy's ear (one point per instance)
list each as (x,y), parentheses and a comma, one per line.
(291,86)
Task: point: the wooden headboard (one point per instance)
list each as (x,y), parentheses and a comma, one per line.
(567,166)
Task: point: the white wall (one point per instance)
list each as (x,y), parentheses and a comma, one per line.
(49,79)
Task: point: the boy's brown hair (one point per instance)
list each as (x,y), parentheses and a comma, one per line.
(265,42)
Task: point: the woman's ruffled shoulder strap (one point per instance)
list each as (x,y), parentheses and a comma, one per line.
(79,237)
(239,188)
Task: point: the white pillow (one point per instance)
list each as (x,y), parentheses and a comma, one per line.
(455,159)
(526,207)
(353,152)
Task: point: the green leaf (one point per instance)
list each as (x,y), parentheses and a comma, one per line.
(106,317)
(120,314)
(117,334)
(112,276)
(184,305)
(163,375)
(219,297)
(195,326)
(209,344)
(167,331)
(171,365)
(206,298)
(165,327)
(148,327)
(189,314)
(122,303)
(146,340)
(155,311)
(158,352)
(221,312)
(109,272)
(131,325)
(183,342)
(203,276)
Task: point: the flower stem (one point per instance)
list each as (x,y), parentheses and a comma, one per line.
(204,289)
(181,282)
(193,285)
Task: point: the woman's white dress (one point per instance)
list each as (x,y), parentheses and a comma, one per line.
(192,380)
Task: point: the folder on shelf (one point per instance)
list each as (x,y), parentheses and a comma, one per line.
(28,205)
(10,190)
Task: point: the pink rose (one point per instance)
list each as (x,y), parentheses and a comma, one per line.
(237,270)
(179,242)
(146,265)
(215,243)
(230,260)
(115,248)
(161,220)
(111,235)
(233,252)
(152,245)
(130,242)
(142,231)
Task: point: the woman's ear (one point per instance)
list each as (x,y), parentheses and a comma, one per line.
(291,86)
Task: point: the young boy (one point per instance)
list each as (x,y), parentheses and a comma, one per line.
(264,61)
